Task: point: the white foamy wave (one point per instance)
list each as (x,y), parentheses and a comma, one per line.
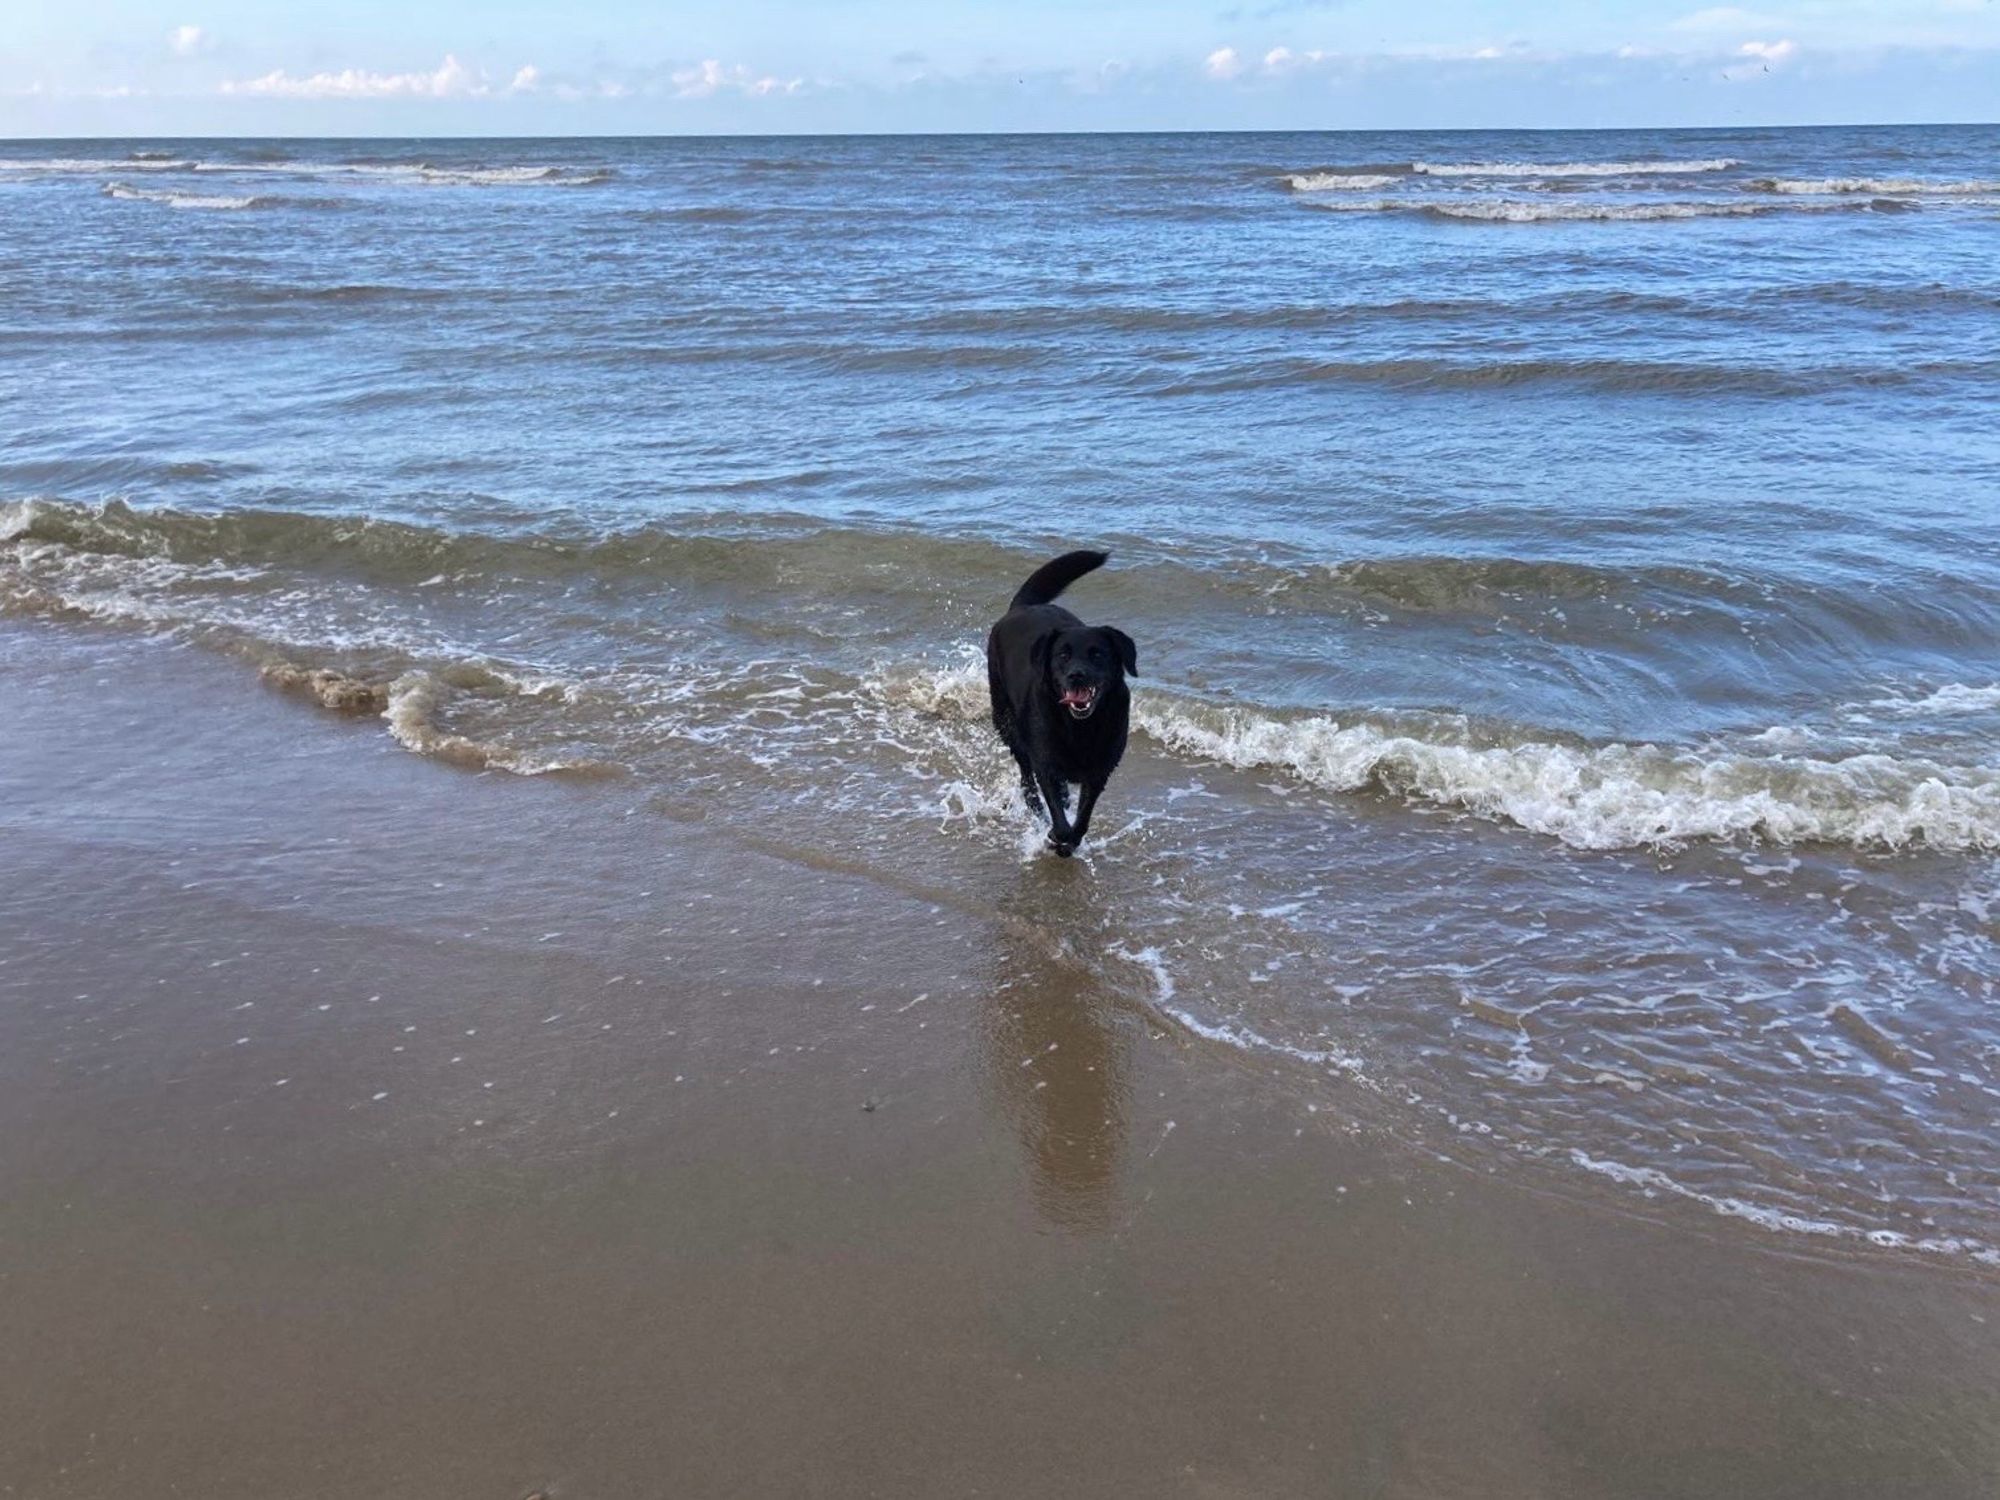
(414,702)
(1607,796)
(418,172)
(957,692)
(1589,796)
(1572,168)
(1880,187)
(1525,211)
(1952,698)
(178,200)
(91,166)
(1513,211)
(1652,1182)
(1340,182)
(16,516)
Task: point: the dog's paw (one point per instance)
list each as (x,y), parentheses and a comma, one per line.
(1064,847)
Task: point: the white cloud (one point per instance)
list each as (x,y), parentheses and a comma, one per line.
(1223,64)
(451,79)
(1285,60)
(186,41)
(1760,58)
(710,78)
(1770,52)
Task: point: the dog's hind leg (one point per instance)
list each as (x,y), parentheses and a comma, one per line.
(1029,791)
(1003,725)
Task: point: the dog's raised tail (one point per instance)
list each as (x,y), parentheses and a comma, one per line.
(1051,578)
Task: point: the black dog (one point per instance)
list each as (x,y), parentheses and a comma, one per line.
(1059,695)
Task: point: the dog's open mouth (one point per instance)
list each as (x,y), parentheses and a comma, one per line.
(1080,701)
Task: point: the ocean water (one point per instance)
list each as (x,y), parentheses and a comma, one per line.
(1565,567)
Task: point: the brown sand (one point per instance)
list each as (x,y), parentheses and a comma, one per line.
(676,1187)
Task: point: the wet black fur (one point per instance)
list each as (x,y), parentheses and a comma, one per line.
(1034,653)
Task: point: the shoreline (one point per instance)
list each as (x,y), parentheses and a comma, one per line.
(616,1155)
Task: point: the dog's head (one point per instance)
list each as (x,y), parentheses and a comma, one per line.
(1083,663)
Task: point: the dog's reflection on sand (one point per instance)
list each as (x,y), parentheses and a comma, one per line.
(1057,1062)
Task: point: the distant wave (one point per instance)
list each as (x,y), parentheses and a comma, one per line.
(755,551)
(1541,211)
(423,172)
(85,166)
(180,200)
(1881,187)
(1572,168)
(1340,182)
(522,175)
(1615,796)
(1472,373)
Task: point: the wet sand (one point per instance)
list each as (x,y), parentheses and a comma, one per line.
(368,1127)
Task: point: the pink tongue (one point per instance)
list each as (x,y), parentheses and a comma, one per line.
(1076,697)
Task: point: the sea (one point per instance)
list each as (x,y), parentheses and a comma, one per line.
(1565,569)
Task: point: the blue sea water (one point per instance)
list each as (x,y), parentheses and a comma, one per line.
(1566,566)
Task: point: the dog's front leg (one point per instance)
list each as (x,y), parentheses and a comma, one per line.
(1055,796)
(1080,825)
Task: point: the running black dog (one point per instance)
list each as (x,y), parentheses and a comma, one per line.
(1059,695)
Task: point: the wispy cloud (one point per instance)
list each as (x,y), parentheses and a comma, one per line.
(710,77)
(451,79)
(186,41)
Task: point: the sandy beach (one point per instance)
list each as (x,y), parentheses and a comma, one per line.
(369,1127)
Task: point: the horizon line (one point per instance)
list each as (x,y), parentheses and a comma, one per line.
(779,135)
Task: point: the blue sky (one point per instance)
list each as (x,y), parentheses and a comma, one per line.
(505,67)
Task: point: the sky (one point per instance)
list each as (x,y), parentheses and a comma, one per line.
(509,67)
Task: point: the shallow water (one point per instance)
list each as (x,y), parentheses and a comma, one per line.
(1566,567)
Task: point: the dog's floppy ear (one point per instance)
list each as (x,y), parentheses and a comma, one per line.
(1038,653)
(1128,654)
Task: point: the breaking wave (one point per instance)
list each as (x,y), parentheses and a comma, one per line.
(412,704)
(1882,187)
(1525,211)
(514,175)
(1572,168)
(248,582)
(1338,182)
(1614,796)
(180,200)
(72,166)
